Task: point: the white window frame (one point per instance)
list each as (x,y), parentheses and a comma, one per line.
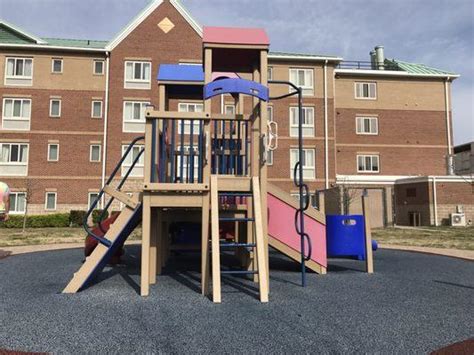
(360,123)
(101,108)
(51,108)
(143,105)
(310,168)
(308,90)
(94,67)
(369,83)
(365,156)
(19,149)
(226,106)
(133,80)
(306,127)
(46,201)
(90,152)
(187,123)
(270,73)
(16,118)
(16,193)
(14,76)
(52,65)
(49,152)
(270,157)
(90,200)
(187,162)
(129,160)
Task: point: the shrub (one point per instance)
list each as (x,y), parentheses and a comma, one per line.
(41,221)
(76,218)
(96,216)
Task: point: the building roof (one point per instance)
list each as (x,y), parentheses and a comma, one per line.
(81,43)
(234,35)
(414,68)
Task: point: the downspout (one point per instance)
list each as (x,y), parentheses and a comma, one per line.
(326,145)
(448,123)
(435,202)
(106,115)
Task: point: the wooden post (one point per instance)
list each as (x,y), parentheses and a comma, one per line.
(322,202)
(216,259)
(369,261)
(145,268)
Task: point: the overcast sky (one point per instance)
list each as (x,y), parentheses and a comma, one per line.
(439,33)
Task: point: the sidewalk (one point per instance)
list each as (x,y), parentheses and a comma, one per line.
(455,253)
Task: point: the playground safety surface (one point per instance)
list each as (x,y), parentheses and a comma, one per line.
(413,303)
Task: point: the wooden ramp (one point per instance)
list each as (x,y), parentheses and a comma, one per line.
(282,235)
(117,234)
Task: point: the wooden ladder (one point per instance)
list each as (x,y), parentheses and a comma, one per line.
(258,245)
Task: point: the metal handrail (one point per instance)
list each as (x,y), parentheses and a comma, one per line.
(102,240)
(298,169)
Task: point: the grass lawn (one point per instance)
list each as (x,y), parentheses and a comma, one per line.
(434,237)
(10,237)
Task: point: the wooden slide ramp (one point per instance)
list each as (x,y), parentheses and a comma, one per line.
(94,263)
(282,235)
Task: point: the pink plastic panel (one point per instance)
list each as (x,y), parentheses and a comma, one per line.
(281,226)
(229,35)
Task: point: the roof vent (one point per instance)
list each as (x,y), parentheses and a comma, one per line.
(373,62)
(380,57)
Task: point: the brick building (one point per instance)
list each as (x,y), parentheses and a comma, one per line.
(69,107)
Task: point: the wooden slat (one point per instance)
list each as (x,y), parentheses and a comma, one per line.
(157,187)
(234,183)
(146,233)
(175,200)
(173,115)
(129,201)
(216,260)
(369,258)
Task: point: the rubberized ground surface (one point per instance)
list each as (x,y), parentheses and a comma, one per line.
(414,303)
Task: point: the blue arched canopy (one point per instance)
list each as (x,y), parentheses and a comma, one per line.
(235,86)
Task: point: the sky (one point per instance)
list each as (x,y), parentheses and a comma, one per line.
(438,33)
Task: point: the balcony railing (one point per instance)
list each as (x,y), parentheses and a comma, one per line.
(365,65)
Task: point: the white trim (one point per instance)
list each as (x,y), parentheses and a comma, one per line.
(36,46)
(439,178)
(147,11)
(448,125)
(398,179)
(52,65)
(16,202)
(391,73)
(46,201)
(90,152)
(101,108)
(277,56)
(23,32)
(48,158)
(51,106)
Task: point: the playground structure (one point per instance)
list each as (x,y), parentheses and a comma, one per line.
(210,167)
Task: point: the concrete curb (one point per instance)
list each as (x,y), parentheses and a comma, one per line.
(453,253)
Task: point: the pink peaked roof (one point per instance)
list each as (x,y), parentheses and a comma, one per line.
(229,35)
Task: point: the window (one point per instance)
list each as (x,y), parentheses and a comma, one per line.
(270,73)
(138,169)
(96,109)
(134,116)
(313,200)
(17,202)
(55,108)
(303,78)
(307,160)
(366,91)
(411,192)
(368,163)
(13,153)
(270,113)
(13,159)
(50,201)
(19,68)
(98,67)
(185,164)
(367,125)
(53,152)
(137,75)
(57,66)
(91,198)
(308,121)
(94,154)
(16,114)
(189,107)
(270,157)
(229,109)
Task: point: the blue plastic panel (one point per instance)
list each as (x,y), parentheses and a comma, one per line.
(345,236)
(235,86)
(180,72)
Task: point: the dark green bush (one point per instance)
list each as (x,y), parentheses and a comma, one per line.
(41,221)
(76,218)
(96,216)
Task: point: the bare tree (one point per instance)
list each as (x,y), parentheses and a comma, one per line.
(349,195)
